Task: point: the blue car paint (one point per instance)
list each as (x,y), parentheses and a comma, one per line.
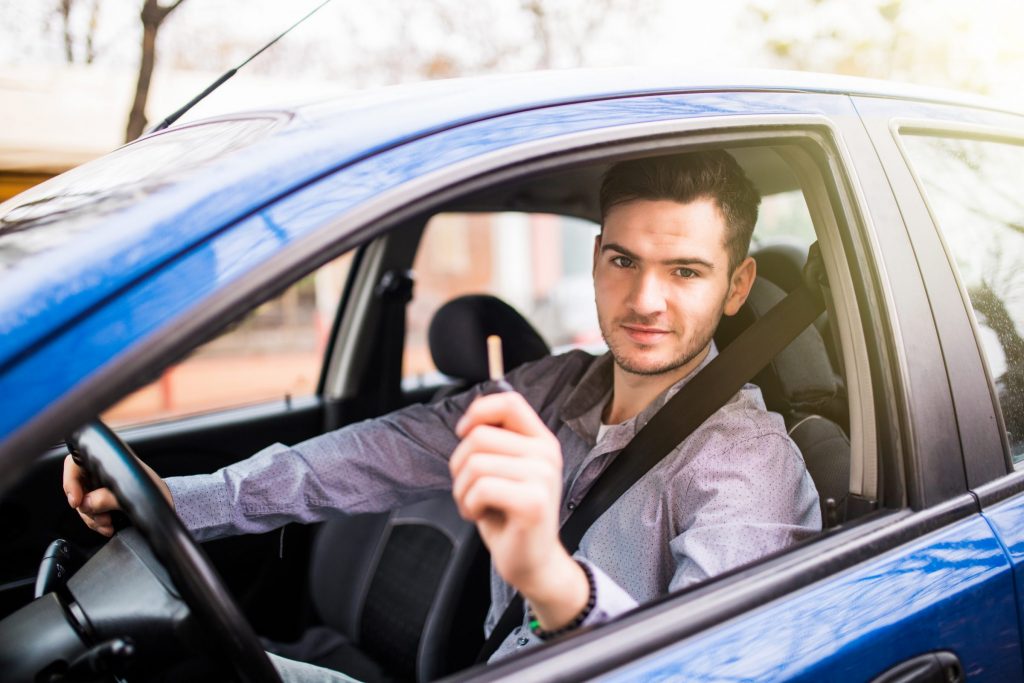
(72,352)
(952,589)
(1007,521)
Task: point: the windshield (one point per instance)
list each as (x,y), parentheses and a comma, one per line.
(52,212)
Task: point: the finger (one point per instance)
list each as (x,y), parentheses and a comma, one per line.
(99,500)
(100,523)
(488,439)
(508,410)
(487,465)
(514,499)
(72,481)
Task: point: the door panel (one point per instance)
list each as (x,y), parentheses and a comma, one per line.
(1007,520)
(949,590)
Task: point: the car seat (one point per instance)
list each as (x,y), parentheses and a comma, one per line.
(802,386)
(403,595)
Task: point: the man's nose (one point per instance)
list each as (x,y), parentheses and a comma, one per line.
(648,294)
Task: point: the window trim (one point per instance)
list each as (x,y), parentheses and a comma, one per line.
(437,189)
(902,127)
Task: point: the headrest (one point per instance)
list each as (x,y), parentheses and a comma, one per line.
(781,264)
(458,337)
(800,378)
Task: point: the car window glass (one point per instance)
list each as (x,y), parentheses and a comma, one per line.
(537,263)
(274,353)
(783,218)
(973,189)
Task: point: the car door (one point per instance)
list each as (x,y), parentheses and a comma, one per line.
(915,584)
(966,165)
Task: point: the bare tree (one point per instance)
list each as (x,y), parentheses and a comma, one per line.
(64,10)
(153,15)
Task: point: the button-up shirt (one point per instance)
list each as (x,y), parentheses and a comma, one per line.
(735,490)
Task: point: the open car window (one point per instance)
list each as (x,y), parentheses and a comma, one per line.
(275,353)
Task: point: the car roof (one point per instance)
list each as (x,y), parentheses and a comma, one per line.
(87,226)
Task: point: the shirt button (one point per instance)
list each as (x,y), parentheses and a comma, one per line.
(571,505)
(522,641)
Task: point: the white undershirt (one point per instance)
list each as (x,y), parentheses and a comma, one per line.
(601,431)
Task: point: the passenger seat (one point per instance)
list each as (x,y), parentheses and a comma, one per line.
(801,385)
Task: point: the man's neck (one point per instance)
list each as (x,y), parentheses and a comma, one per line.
(631,393)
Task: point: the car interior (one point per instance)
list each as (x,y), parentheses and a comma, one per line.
(402,595)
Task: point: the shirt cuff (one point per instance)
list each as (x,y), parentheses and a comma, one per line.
(610,599)
(203,503)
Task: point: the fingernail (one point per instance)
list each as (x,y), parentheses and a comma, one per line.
(71,500)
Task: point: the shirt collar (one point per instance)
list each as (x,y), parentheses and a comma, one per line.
(582,409)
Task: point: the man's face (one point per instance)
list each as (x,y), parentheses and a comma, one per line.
(662,282)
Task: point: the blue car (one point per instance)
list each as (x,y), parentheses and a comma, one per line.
(264,277)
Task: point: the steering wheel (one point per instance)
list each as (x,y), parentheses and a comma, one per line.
(110,462)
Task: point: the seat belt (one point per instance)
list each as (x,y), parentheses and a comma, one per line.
(694,403)
(395,291)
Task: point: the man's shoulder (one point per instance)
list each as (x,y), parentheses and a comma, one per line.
(572,362)
(742,424)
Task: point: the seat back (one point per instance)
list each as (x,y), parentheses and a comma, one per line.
(801,385)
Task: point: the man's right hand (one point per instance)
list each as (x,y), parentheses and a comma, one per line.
(95,505)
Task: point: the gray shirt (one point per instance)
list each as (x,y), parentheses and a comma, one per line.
(732,492)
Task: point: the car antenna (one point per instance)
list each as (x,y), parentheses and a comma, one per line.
(228,74)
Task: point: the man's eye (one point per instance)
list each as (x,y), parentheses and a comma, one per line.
(686,272)
(622,261)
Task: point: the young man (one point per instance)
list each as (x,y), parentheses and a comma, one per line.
(671,259)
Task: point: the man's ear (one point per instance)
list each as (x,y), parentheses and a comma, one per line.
(740,282)
(597,253)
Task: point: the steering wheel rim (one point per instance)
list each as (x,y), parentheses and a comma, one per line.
(112,463)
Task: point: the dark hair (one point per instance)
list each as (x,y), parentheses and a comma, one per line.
(683,178)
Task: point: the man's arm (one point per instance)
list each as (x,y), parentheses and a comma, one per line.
(370,466)
(742,504)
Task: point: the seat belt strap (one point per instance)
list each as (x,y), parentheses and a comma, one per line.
(694,403)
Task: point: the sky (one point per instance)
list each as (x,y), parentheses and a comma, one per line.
(357,44)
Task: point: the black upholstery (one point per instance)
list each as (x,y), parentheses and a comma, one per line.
(801,385)
(402,595)
(783,265)
(459,330)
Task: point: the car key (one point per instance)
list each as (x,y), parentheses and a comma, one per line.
(496,367)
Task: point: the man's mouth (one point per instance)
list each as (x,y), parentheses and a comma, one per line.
(642,334)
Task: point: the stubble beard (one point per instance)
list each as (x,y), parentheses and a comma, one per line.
(700,342)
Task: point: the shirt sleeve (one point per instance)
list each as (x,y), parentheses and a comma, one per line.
(370,466)
(739,505)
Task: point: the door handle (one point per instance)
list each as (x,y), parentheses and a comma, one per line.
(933,667)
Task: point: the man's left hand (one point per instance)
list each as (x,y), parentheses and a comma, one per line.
(507,478)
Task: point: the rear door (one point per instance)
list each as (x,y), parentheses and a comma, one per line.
(968,166)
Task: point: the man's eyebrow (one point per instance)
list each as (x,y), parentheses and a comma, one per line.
(681,261)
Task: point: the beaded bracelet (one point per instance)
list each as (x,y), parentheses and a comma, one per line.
(534,623)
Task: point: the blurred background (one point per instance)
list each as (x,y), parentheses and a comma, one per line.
(80,77)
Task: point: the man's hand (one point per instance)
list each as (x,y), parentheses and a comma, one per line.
(507,478)
(94,506)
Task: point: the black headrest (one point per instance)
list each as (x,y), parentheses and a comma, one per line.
(458,336)
(782,264)
(799,379)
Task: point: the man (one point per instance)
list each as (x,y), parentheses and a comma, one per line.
(671,259)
